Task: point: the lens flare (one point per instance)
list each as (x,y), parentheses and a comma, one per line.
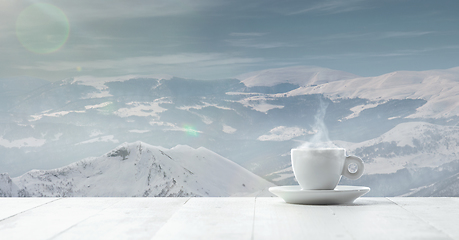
(190,130)
(108,109)
(42,28)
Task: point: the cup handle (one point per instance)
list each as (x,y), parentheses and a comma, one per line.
(350,160)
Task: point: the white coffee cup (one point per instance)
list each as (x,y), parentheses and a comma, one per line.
(322,168)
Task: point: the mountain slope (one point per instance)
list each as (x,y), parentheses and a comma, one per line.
(446,187)
(439,88)
(410,144)
(140,170)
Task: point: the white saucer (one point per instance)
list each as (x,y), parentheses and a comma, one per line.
(340,195)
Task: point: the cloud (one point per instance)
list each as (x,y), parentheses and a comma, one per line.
(404,34)
(374,35)
(253,40)
(397,53)
(89,9)
(141,63)
(252,43)
(83,10)
(332,7)
(247,34)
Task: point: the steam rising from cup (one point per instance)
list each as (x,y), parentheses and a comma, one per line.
(320,138)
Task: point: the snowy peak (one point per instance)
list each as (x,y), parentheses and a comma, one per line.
(141,170)
(300,75)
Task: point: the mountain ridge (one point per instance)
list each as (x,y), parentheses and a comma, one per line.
(140,170)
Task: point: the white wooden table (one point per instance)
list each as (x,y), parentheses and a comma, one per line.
(226,218)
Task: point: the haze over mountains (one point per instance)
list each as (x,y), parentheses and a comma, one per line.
(403,124)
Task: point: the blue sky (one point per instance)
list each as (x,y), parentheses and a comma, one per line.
(216,39)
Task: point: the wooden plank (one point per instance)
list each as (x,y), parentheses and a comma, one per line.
(275,219)
(131,218)
(367,218)
(380,218)
(50,219)
(12,206)
(227,218)
(441,213)
(211,218)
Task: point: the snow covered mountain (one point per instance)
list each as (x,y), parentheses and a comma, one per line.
(300,75)
(439,88)
(140,170)
(404,124)
(409,156)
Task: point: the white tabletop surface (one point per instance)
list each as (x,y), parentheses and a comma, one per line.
(227,218)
